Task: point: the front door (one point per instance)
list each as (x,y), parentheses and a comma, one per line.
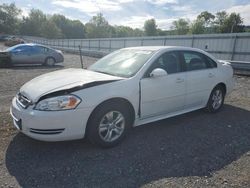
(165,94)
(21,55)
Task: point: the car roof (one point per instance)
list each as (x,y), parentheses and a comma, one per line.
(157,48)
(160,48)
(31,44)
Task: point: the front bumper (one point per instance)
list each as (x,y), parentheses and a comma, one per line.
(50,125)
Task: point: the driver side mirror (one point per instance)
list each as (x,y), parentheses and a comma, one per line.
(158,72)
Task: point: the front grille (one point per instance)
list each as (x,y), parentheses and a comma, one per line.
(46,131)
(23,101)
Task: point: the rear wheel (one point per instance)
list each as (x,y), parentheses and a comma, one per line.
(216,99)
(50,61)
(108,125)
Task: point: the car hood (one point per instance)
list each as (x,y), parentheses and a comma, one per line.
(63,80)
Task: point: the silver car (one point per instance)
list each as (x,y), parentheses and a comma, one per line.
(34,54)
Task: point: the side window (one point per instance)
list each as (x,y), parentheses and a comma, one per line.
(169,61)
(23,50)
(37,49)
(46,49)
(195,61)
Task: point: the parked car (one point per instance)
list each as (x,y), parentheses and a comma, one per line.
(4,38)
(129,87)
(34,54)
(12,41)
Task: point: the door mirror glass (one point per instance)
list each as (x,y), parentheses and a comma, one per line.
(158,72)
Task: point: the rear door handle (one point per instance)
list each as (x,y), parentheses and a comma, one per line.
(210,75)
(179,80)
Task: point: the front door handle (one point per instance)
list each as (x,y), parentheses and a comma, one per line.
(179,80)
(210,75)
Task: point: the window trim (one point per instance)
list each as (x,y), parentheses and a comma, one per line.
(205,58)
(150,69)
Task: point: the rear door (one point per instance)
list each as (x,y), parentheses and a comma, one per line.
(201,78)
(38,54)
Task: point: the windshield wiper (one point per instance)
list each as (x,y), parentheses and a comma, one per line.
(101,72)
(109,73)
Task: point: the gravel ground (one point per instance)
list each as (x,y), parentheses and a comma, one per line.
(192,150)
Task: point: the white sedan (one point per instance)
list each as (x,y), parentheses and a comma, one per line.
(126,88)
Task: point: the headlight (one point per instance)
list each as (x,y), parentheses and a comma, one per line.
(65,102)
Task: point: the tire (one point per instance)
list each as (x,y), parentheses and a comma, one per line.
(50,61)
(108,124)
(216,100)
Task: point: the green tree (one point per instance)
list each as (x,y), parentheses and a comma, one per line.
(50,30)
(198,27)
(181,26)
(233,24)
(150,27)
(221,17)
(207,17)
(203,23)
(69,28)
(225,23)
(32,25)
(138,32)
(123,31)
(9,21)
(98,27)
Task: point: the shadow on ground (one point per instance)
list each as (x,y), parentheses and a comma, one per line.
(194,144)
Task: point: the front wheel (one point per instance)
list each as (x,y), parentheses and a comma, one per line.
(108,125)
(50,61)
(216,99)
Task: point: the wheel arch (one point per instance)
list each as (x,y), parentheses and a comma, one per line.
(121,100)
(48,58)
(223,86)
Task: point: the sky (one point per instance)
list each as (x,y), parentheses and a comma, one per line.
(133,13)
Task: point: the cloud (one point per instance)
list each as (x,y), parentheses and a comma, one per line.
(182,8)
(243,10)
(25,11)
(138,21)
(124,1)
(90,6)
(162,2)
(135,21)
(165,23)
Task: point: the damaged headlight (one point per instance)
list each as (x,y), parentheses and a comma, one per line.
(65,102)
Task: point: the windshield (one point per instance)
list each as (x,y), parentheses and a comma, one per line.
(123,63)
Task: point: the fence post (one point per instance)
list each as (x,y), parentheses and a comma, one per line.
(124,43)
(192,44)
(99,44)
(165,40)
(142,42)
(89,44)
(234,45)
(110,45)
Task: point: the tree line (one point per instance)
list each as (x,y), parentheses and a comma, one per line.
(58,26)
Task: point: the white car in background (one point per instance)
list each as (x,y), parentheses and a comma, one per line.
(128,87)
